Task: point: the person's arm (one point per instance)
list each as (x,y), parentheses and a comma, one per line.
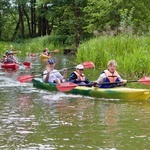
(47,77)
(101,78)
(46,74)
(65,73)
(72,77)
(15,60)
(87,80)
(122,80)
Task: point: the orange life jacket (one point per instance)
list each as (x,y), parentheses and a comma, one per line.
(112,77)
(81,76)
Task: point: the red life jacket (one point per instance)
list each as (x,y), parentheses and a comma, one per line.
(81,76)
(112,77)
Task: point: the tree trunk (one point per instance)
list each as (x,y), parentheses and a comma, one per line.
(28,22)
(21,20)
(33,18)
(39,26)
(16,30)
(76,10)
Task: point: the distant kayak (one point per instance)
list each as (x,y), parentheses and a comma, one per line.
(10,66)
(32,55)
(42,56)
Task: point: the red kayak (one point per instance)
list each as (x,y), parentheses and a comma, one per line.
(10,66)
(32,55)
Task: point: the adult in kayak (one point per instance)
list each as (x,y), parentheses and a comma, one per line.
(10,58)
(78,76)
(110,75)
(46,52)
(53,75)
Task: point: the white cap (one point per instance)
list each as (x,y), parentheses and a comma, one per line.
(79,67)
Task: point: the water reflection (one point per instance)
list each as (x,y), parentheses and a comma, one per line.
(25,103)
(33,119)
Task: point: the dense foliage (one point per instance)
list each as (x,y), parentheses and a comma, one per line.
(70,22)
(99,30)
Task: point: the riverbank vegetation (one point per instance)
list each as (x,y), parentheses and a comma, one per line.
(35,45)
(97,30)
(130,52)
(70,22)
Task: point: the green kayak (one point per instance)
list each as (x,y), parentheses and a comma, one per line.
(109,93)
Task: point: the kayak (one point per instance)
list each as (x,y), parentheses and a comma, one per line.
(10,66)
(123,93)
(42,56)
(32,55)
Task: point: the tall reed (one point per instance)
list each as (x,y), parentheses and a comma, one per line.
(28,46)
(131,53)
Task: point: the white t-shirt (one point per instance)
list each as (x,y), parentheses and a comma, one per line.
(54,74)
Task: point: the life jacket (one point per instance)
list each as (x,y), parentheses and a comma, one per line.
(81,76)
(110,78)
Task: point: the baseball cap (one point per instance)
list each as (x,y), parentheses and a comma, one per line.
(79,66)
(10,52)
(51,61)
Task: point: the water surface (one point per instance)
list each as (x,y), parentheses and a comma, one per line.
(34,119)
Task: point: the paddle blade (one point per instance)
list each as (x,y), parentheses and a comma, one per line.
(27,64)
(25,78)
(66,86)
(88,64)
(144,80)
(56,51)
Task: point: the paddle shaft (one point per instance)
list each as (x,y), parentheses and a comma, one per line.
(106,83)
(67,87)
(24,78)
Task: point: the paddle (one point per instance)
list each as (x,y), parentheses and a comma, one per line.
(54,51)
(26,78)
(67,86)
(27,64)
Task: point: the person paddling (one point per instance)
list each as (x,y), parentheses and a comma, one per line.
(78,76)
(53,75)
(46,52)
(110,75)
(10,58)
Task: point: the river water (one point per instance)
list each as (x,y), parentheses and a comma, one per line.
(34,119)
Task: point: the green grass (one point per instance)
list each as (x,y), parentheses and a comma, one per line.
(35,45)
(131,53)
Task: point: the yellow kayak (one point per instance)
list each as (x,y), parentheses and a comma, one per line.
(123,93)
(42,56)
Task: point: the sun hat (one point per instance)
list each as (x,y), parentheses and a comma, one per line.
(51,61)
(79,66)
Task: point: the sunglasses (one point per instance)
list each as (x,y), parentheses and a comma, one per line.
(51,63)
(81,69)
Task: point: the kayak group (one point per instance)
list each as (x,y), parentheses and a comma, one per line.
(110,75)
(78,83)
